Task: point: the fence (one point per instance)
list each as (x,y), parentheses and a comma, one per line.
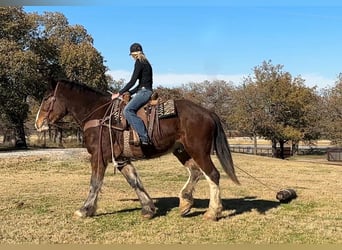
(334,154)
(263,151)
(250,150)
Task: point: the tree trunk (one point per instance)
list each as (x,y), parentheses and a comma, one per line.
(281,145)
(44,139)
(295,147)
(20,136)
(60,137)
(79,136)
(55,134)
(255,144)
(274,148)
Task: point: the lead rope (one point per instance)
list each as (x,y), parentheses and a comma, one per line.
(256,179)
(100,153)
(115,164)
(284,195)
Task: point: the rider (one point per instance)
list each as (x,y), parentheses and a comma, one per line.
(143,91)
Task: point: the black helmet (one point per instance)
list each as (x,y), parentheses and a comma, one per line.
(135,47)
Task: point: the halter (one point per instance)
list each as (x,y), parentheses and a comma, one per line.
(53,100)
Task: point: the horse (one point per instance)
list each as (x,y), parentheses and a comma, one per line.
(190,135)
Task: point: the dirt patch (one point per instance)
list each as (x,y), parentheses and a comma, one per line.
(38,154)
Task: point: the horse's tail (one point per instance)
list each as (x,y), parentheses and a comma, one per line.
(223,151)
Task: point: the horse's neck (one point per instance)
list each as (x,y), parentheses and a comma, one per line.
(83,107)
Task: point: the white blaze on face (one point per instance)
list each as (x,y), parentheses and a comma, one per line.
(40,123)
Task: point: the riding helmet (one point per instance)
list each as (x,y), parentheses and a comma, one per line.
(135,47)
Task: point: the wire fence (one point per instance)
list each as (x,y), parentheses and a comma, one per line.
(73,137)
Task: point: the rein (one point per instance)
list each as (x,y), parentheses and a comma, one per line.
(92,123)
(53,100)
(92,112)
(102,123)
(97,122)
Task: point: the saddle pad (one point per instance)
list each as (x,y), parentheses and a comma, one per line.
(166,109)
(127,152)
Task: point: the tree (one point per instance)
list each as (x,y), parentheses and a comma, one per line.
(169,93)
(18,68)
(332,117)
(247,111)
(83,63)
(35,48)
(67,51)
(276,106)
(216,96)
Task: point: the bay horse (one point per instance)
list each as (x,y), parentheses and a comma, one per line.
(190,135)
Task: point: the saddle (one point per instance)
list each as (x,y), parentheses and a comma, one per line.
(154,110)
(150,113)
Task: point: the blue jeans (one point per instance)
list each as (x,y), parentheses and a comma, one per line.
(130,112)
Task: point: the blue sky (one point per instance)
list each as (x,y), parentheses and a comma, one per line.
(208,40)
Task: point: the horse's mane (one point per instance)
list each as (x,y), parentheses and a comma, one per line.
(82,87)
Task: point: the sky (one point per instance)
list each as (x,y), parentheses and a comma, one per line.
(193,41)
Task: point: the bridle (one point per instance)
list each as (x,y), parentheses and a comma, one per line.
(52,103)
(84,122)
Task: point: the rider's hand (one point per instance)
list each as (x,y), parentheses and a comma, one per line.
(115,95)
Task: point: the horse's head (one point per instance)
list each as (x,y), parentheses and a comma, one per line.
(51,109)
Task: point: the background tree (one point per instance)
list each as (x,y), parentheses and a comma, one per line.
(18,68)
(169,93)
(276,106)
(89,69)
(67,51)
(248,110)
(216,96)
(114,85)
(35,48)
(331,119)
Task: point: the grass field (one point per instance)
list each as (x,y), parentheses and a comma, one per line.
(40,194)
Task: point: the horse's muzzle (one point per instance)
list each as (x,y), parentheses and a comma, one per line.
(42,126)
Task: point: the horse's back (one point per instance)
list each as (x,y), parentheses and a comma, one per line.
(196,126)
(193,113)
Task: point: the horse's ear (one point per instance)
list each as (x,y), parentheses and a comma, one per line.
(52,83)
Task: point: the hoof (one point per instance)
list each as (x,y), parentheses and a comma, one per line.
(210,216)
(148,211)
(79,214)
(184,212)
(185,206)
(147,214)
(85,212)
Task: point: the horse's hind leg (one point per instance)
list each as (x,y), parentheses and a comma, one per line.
(96,180)
(186,199)
(213,177)
(131,175)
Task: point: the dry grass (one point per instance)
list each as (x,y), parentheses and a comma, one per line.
(39,196)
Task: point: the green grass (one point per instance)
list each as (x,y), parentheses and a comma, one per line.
(39,197)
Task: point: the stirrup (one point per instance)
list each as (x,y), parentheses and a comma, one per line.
(146,143)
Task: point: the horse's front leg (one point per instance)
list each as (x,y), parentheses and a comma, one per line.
(132,177)
(186,199)
(89,207)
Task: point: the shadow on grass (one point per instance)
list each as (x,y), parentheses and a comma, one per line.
(237,206)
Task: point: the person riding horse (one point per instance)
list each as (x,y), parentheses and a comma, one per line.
(142,92)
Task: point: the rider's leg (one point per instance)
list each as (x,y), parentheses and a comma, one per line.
(130,112)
